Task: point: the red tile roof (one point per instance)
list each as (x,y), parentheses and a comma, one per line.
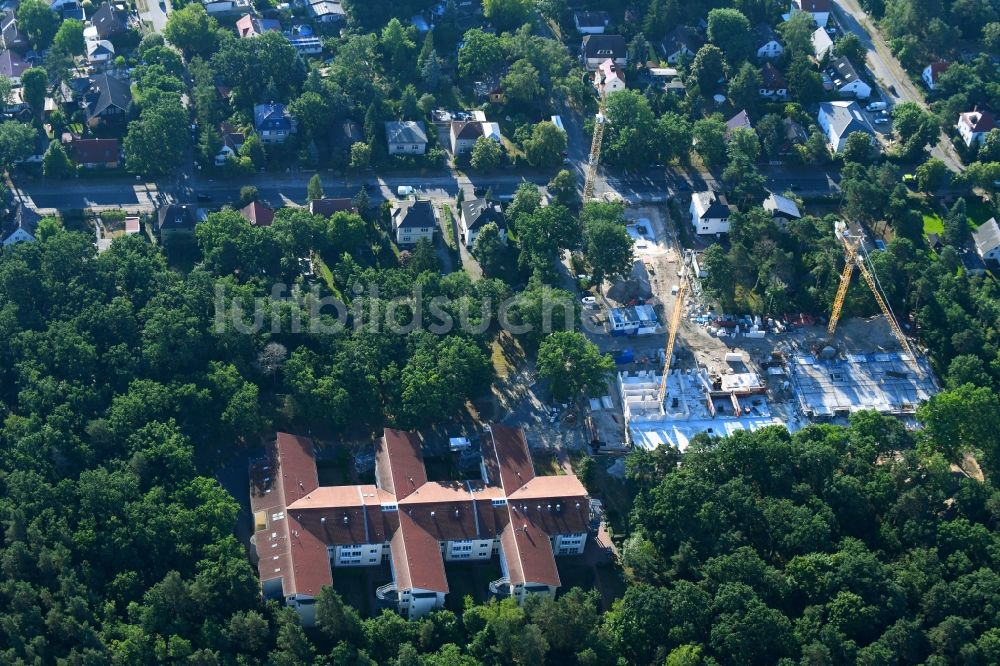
(302,518)
(95,151)
(528,552)
(399,463)
(327,207)
(416,557)
(257,214)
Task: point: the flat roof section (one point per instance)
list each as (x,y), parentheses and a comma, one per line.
(886,382)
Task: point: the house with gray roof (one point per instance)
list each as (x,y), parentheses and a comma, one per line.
(840,119)
(109,21)
(681,43)
(476,214)
(710,213)
(987,240)
(413,221)
(20,227)
(768,45)
(846,80)
(406,137)
(273,122)
(107,99)
(12,66)
(781,209)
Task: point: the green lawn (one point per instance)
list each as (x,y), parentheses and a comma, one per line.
(933,224)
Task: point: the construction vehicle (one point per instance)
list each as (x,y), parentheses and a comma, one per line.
(856,256)
(675,323)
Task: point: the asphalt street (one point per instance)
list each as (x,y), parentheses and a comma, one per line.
(889,72)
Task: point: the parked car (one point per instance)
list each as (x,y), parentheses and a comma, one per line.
(404,190)
(589,301)
(877,106)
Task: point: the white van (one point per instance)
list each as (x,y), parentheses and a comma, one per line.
(404,190)
(877,106)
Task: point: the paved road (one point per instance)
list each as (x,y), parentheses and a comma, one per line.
(889,72)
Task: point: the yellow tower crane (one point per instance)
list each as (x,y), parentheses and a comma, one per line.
(595,153)
(675,323)
(854,255)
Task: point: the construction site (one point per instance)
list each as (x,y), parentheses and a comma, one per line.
(702,371)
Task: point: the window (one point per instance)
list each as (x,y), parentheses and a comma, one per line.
(500,502)
(390,507)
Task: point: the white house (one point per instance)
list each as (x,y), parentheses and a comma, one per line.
(681,43)
(464,133)
(709,213)
(590,23)
(413,221)
(973,126)
(773,84)
(932,72)
(99,51)
(477,213)
(608,78)
(818,9)
(987,240)
(21,228)
(595,49)
(840,119)
(768,45)
(846,80)
(406,137)
(821,43)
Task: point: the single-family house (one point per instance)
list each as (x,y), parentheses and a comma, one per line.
(709,213)
(413,221)
(12,66)
(100,51)
(257,214)
(477,213)
(252,26)
(327,11)
(329,207)
(987,240)
(767,42)
(974,125)
(463,134)
(773,85)
(232,141)
(215,7)
(273,122)
(406,137)
(109,21)
(176,220)
(12,37)
(107,99)
(590,23)
(818,9)
(933,71)
(681,43)
(822,44)
(61,6)
(20,227)
(934,242)
(846,80)
(595,49)
(782,209)
(972,262)
(608,78)
(741,119)
(96,153)
(795,134)
(306,45)
(305,534)
(840,119)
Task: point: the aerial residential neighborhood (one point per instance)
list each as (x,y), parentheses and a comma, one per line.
(499,332)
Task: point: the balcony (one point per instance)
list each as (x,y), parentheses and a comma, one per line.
(387,591)
(500,586)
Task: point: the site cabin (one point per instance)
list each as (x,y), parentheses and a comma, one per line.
(304,532)
(633,320)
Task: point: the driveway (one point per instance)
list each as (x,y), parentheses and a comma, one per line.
(889,72)
(150,12)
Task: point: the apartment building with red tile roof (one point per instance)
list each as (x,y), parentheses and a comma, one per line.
(303,531)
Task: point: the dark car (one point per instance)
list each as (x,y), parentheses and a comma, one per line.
(203,196)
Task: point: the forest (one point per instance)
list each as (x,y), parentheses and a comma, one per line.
(833,545)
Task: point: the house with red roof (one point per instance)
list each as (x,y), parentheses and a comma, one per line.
(933,71)
(257,214)
(973,126)
(304,532)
